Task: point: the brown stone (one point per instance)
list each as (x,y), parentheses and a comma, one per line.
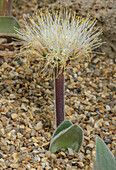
(14,165)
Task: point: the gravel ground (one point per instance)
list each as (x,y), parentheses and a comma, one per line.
(27,119)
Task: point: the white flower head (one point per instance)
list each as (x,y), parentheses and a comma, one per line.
(60,37)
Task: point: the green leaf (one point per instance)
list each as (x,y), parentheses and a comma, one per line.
(64,125)
(7,24)
(70,137)
(104,157)
(95,166)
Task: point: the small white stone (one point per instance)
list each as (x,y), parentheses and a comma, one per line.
(107,123)
(81,165)
(23,107)
(12,96)
(48,92)
(92,120)
(96,125)
(37,158)
(39,126)
(70,151)
(108,107)
(90,145)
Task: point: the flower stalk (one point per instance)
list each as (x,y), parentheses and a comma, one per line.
(59,97)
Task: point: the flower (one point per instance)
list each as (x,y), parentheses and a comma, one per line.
(59,37)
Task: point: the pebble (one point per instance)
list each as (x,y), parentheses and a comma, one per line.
(8,114)
(108,107)
(33,133)
(100,85)
(90,146)
(39,126)
(80,79)
(19,69)
(4,121)
(39,168)
(2,163)
(48,92)
(29,71)
(14,116)
(93,113)
(37,158)
(53,156)
(24,107)
(3,40)
(95,60)
(88,152)
(62,154)
(13,111)
(48,154)
(107,123)
(42,155)
(14,165)
(114,121)
(12,96)
(22,127)
(1,156)
(70,151)
(2,132)
(28,167)
(96,125)
(113,109)
(80,164)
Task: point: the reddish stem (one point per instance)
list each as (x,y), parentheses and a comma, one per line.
(59,97)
